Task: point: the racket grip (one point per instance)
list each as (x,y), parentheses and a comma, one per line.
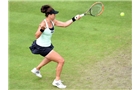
(82,15)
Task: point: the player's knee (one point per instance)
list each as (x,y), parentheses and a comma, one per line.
(62,61)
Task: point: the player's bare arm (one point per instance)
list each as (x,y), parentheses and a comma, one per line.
(41,26)
(67,23)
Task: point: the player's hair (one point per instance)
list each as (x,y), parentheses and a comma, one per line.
(46,9)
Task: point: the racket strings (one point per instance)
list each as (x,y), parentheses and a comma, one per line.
(96,9)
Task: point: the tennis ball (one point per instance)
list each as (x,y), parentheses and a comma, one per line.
(122,14)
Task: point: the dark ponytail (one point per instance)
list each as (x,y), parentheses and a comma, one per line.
(46,9)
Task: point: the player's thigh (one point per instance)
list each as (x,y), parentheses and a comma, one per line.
(54,56)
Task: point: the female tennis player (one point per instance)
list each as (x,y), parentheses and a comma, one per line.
(42,44)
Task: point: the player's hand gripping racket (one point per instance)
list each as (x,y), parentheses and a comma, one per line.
(96,9)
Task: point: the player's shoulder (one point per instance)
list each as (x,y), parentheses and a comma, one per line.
(42,23)
(55,21)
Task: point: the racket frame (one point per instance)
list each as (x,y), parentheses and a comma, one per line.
(89,10)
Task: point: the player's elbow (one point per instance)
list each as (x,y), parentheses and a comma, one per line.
(37,35)
(65,25)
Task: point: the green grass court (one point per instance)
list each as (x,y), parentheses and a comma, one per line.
(97,50)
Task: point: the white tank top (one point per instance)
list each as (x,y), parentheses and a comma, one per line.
(45,38)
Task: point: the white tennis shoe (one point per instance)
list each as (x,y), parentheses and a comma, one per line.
(58,84)
(36,72)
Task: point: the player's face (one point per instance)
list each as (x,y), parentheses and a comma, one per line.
(52,16)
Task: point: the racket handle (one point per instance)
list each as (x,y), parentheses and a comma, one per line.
(82,15)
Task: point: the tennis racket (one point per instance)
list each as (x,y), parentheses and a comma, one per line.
(96,9)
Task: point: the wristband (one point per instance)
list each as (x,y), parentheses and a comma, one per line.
(41,30)
(73,19)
